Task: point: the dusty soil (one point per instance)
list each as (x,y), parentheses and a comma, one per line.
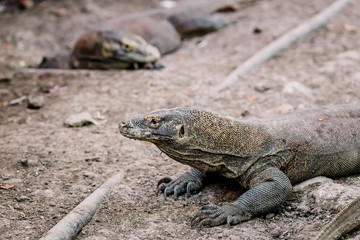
(54,167)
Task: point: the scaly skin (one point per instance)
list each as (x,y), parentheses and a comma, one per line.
(265,156)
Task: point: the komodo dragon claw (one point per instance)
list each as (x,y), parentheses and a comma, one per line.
(212,215)
(186,183)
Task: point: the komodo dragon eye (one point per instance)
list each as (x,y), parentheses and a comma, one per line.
(153,121)
(127,47)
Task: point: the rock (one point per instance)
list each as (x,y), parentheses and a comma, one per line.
(328,192)
(167,3)
(93,159)
(35,101)
(352,55)
(24,162)
(89,175)
(324,191)
(60,12)
(47,193)
(245,113)
(281,109)
(312,183)
(288,208)
(261,87)
(80,119)
(26,4)
(329,68)
(22,198)
(270,215)
(294,87)
(5,177)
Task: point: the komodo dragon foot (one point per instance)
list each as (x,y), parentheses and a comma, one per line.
(187,183)
(212,215)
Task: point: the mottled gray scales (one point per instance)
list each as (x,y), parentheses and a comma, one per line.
(266,156)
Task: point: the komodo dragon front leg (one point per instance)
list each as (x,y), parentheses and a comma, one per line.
(267,190)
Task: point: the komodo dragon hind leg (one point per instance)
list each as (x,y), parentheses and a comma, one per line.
(268,190)
(187,183)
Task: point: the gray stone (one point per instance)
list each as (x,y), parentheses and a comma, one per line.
(89,175)
(261,87)
(35,101)
(22,198)
(80,119)
(294,87)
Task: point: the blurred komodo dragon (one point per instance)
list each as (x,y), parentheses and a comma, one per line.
(138,40)
(265,156)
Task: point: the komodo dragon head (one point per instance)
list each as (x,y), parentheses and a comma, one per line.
(112,50)
(158,126)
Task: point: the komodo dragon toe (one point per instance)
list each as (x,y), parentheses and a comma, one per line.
(212,215)
(187,183)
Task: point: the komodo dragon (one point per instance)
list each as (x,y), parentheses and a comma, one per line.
(138,40)
(265,156)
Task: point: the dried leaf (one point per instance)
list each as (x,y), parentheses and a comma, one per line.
(7,186)
(252,98)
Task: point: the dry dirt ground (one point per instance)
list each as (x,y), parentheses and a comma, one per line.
(54,167)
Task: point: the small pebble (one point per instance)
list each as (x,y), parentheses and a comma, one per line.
(22,198)
(26,4)
(245,113)
(270,215)
(261,87)
(79,120)
(5,177)
(288,208)
(35,101)
(23,162)
(89,175)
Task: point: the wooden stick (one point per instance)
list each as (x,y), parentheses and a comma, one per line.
(73,222)
(283,42)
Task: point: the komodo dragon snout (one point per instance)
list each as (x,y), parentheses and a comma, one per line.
(154,126)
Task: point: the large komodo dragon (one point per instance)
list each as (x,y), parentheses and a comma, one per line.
(265,156)
(138,40)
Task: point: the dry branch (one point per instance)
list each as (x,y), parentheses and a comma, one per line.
(74,221)
(284,42)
